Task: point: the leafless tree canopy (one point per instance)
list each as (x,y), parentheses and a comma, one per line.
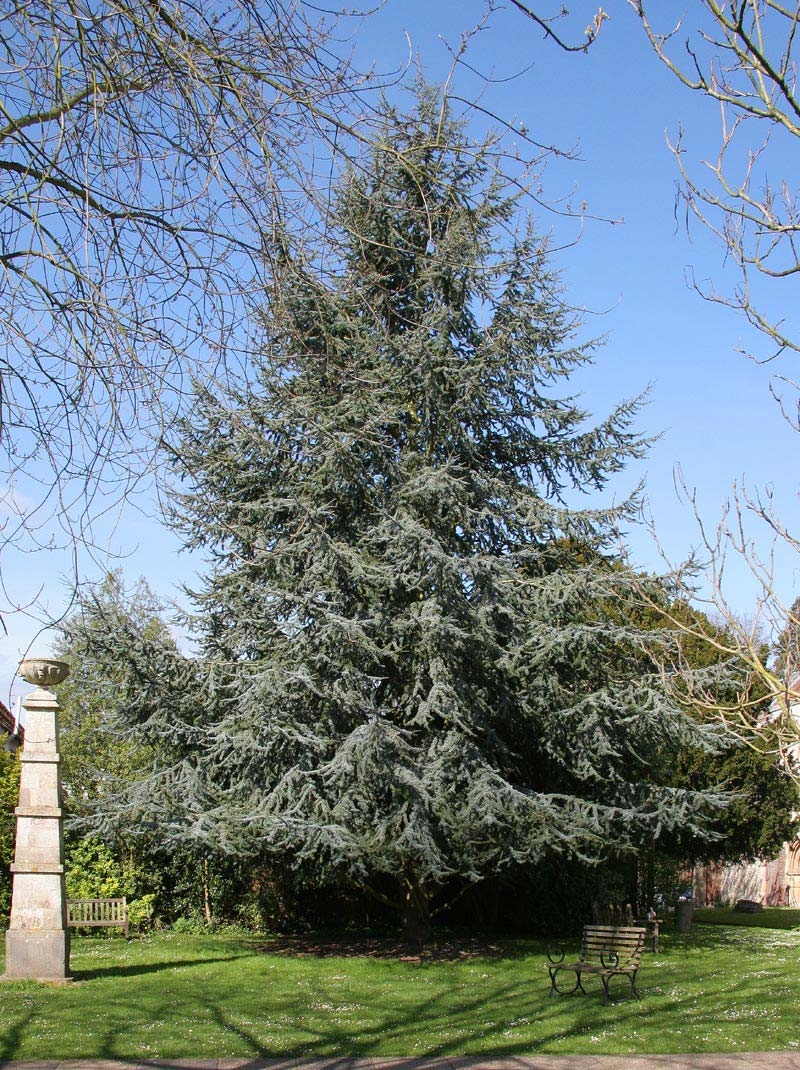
(143,144)
(742,55)
(761,709)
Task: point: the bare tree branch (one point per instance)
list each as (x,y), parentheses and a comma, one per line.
(546,24)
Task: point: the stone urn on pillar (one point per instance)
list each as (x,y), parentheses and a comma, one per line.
(37,940)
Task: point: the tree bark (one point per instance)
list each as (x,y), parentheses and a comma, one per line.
(416,913)
(206,893)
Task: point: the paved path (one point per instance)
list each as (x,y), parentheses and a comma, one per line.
(770,1060)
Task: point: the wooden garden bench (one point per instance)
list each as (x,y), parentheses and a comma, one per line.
(606,951)
(97,913)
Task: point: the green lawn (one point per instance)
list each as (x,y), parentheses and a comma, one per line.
(769,918)
(718,988)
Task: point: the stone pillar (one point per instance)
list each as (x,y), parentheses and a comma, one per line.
(37,940)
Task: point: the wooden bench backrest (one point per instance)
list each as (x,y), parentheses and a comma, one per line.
(625,941)
(97,911)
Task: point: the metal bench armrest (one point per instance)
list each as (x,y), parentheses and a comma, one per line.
(555,953)
(609,960)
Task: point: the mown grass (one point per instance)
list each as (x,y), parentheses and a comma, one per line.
(717,988)
(769,918)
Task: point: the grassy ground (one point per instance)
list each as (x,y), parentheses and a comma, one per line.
(718,988)
(769,918)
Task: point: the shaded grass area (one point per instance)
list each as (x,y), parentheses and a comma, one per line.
(769,918)
(716,989)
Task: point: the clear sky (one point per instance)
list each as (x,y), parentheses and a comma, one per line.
(712,406)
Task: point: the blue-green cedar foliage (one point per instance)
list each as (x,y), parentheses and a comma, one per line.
(414,668)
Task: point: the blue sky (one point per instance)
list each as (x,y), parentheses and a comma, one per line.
(712,406)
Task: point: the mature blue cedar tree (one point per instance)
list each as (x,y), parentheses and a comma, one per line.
(414,668)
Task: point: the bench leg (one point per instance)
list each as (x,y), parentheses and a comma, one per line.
(605,978)
(555,990)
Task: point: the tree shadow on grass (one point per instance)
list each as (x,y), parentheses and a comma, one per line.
(481,1019)
(13,1033)
(338,1043)
(475,1022)
(245,1063)
(142,968)
(456,949)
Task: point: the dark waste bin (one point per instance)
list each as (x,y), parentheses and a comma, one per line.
(683,915)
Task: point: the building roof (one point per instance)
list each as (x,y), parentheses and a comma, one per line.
(6,718)
(8,721)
